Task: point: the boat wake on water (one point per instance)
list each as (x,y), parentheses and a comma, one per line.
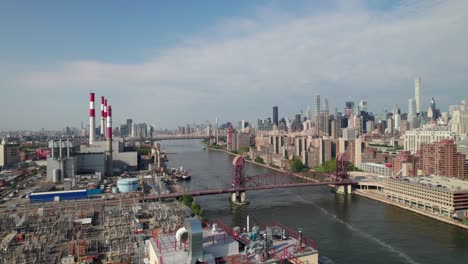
(362,233)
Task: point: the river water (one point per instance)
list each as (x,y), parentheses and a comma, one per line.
(347,229)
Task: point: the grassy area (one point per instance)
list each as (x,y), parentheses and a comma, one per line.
(215,146)
(242,150)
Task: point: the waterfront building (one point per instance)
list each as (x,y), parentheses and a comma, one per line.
(436,194)
(376,168)
(414,138)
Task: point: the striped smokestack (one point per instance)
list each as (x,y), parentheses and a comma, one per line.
(92,114)
(103,120)
(109,141)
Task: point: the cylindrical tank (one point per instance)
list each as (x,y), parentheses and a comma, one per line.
(127,185)
(56,175)
(115,189)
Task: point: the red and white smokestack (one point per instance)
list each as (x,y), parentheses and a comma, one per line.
(103,120)
(109,123)
(92,114)
(109,141)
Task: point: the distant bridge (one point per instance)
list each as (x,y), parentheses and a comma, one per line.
(175,137)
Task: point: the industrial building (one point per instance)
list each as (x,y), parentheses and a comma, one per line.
(69,158)
(121,160)
(439,195)
(218,243)
(91,231)
(66,161)
(57,196)
(9,153)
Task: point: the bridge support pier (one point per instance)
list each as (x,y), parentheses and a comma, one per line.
(239,198)
(343,189)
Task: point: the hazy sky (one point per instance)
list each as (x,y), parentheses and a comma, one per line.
(173,62)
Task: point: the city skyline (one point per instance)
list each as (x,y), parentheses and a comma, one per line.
(260,55)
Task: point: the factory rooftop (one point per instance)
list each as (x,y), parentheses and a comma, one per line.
(217,243)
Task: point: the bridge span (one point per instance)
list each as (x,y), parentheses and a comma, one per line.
(241,184)
(175,137)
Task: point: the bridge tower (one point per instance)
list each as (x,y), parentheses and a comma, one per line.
(341,173)
(238,181)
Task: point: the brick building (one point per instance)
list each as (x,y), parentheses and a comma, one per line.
(442,158)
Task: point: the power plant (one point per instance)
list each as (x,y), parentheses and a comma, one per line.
(99,157)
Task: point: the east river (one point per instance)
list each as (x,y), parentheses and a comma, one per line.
(347,229)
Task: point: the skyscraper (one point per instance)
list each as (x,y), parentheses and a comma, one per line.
(325,106)
(309,114)
(363,105)
(412,119)
(275,115)
(316,105)
(417,94)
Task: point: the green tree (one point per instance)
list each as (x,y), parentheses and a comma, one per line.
(259,160)
(296,165)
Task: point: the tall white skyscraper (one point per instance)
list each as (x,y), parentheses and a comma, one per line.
(316,105)
(417,94)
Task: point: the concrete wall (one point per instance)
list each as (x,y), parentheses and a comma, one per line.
(70,167)
(95,161)
(125,159)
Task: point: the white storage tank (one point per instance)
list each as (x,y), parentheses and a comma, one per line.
(127,185)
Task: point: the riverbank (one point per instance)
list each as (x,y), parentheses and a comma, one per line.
(378,196)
